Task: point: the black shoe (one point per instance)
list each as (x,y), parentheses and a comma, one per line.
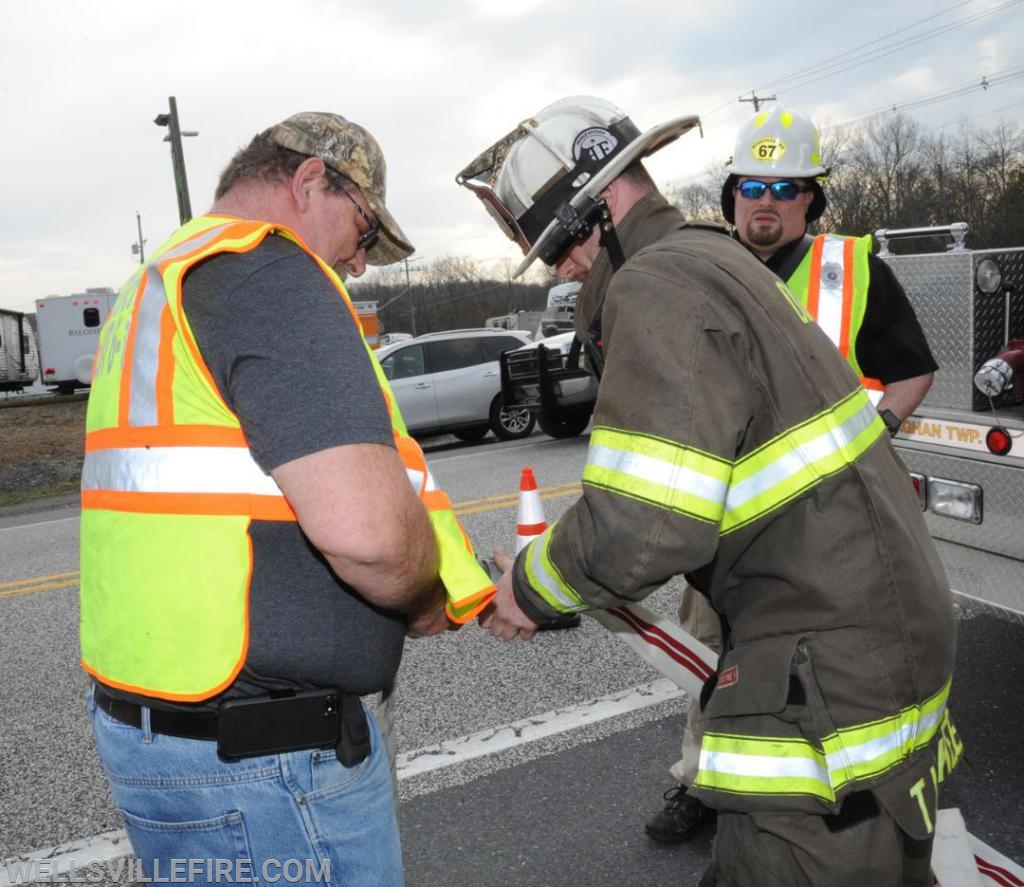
(571,621)
(681,819)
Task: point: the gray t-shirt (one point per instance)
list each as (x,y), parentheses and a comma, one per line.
(287,357)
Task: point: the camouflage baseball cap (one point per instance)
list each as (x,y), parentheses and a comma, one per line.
(351,150)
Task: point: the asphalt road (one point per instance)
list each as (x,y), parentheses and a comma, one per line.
(565,809)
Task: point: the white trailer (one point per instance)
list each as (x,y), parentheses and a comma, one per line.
(19,359)
(68,328)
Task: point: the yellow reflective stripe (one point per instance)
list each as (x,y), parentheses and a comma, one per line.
(751,765)
(867,749)
(546,579)
(777,765)
(801,457)
(709,488)
(658,471)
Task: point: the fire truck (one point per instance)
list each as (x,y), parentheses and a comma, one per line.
(964,445)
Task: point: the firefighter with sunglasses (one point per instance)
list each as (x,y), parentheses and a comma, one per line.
(772,194)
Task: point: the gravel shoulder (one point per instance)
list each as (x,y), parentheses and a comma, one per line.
(41,447)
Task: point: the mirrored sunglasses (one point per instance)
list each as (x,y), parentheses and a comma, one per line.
(752,189)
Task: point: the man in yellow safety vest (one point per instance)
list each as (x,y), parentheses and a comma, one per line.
(259,533)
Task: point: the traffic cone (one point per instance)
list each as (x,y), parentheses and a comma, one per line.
(531,521)
(530,525)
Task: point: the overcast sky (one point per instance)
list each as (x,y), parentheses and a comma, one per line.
(80,84)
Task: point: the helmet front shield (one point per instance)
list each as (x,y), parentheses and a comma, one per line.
(481,175)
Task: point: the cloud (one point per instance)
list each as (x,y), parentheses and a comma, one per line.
(80,84)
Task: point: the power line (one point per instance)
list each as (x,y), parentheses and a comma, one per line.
(835,60)
(849,52)
(851,59)
(934,98)
(976,116)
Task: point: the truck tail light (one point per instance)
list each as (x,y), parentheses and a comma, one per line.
(998,441)
(954,499)
(920,483)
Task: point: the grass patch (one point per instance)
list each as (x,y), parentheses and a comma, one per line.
(22,496)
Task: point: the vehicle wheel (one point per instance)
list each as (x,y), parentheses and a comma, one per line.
(510,424)
(66,390)
(471,435)
(564,423)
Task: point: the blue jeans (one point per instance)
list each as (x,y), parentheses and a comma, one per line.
(296,816)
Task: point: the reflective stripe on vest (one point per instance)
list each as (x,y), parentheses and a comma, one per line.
(792,765)
(832,279)
(709,488)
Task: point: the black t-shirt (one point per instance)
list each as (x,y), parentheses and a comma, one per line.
(891,345)
(288,358)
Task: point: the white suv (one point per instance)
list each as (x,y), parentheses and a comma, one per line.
(450,382)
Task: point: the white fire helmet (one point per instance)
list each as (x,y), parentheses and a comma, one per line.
(542,181)
(780,143)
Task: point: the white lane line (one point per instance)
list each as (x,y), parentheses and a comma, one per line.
(114,844)
(65,858)
(491,741)
(39,523)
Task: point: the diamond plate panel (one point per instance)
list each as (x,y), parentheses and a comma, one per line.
(1001,529)
(940,288)
(993,581)
(964,326)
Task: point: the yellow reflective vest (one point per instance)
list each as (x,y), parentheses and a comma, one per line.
(169,488)
(832,280)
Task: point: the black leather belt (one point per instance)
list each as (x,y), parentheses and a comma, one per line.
(271,724)
(185,724)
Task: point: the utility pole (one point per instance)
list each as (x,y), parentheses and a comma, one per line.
(406,292)
(757,99)
(408,289)
(173,136)
(137,247)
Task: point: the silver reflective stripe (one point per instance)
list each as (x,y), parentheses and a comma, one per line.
(802,457)
(763,766)
(416,478)
(146,347)
(177,470)
(830,292)
(659,471)
(146,350)
(904,737)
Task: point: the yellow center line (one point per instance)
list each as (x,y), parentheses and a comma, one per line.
(39,583)
(470,506)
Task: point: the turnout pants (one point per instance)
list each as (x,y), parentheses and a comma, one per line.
(799,850)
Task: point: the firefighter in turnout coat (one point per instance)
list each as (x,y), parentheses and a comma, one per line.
(732,443)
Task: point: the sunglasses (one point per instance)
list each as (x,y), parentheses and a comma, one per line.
(752,189)
(369,237)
